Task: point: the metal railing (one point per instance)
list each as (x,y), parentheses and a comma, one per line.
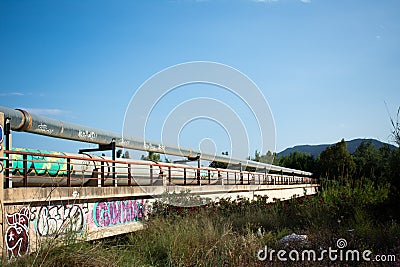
(25,169)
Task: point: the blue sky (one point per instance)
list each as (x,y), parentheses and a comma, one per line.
(325,67)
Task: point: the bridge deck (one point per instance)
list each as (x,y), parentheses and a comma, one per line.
(48,195)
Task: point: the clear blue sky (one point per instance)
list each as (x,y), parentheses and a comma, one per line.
(325,66)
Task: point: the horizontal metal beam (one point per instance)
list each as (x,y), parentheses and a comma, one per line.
(22,120)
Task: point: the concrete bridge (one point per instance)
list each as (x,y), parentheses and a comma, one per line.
(47,195)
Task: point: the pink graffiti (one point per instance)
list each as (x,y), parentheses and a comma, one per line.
(117,212)
(17,234)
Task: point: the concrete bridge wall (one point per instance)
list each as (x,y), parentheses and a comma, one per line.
(34,215)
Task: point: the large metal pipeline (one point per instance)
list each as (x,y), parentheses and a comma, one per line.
(24,121)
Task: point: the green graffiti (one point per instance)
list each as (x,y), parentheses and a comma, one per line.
(39,165)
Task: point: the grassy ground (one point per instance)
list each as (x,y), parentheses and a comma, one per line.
(231,232)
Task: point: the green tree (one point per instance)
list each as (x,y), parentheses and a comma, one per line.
(124,156)
(394,162)
(298,160)
(151,156)
(383,171)
(396,128)
(257,156)
(395,156)
(119,153)
(366,158)
(267,158)
(335,162)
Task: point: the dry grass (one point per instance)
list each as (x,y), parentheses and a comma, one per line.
(230,233)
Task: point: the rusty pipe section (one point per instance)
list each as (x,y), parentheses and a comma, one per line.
(24,121)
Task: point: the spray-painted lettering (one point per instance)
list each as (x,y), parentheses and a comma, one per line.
(59,219)
(43,128)
(153,147)
(87,134)
(39,165)
(118,212)
(17,234)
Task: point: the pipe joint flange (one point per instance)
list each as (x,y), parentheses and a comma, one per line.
(26,120)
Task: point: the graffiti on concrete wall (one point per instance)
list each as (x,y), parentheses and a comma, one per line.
(58,220)
(118,212)
(17,234)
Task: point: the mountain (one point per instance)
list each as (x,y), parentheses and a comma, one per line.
(315,150)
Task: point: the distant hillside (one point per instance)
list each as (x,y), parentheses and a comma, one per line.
(315,150)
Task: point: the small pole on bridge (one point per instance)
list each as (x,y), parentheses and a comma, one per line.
(25,169)
(198,170)
(184,176)
(102,174)
(69,172)
(7,134)
(113,163)
(241,174)
(265,174)
(169,175)
(2,207)
(129,175)
(151,175)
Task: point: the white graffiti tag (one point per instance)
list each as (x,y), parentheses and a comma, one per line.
(59,219)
